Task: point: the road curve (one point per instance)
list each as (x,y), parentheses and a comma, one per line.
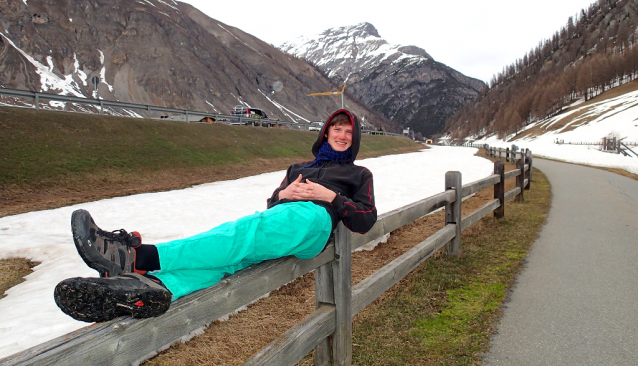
(576,300)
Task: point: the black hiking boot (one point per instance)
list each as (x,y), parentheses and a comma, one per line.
(109,253)
(98,299)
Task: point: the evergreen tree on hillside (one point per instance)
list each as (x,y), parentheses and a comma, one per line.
(592,53)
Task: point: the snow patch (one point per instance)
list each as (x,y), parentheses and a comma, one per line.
(616,115)
(214,108)
(285,111)
(48,80)
(234,36)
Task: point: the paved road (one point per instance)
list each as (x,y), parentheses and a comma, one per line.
(576,301)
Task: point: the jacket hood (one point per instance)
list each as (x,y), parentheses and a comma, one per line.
(356,133)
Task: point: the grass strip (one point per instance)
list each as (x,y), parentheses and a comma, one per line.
(445,311)
(51,159)
(41,148)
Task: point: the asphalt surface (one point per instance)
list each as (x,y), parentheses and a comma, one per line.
(576,301)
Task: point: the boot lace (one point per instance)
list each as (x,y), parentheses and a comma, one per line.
(120,235)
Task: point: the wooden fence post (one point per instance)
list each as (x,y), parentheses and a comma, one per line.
(507,154)
(324,294)
(520,179)
(333,285)
(499,189)
(528,176)
(342,341)
(453,212)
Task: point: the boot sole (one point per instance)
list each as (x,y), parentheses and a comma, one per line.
(81,233)
(95,300)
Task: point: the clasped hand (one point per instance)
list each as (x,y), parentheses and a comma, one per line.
(299,191)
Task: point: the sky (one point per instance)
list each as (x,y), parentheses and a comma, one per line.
(477,38)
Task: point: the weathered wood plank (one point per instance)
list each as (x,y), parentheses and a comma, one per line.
(511,194)
(479,185)
(404,215)
(125,340)
(453,212)
(520,164)
(324,294)
(499,189)
(372,287)
(342,272)
(298,341)
(528,175)
(512,174)
(485,210)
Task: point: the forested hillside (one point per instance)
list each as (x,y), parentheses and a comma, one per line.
(593,52)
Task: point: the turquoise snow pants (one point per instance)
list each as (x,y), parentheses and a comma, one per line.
(301,229)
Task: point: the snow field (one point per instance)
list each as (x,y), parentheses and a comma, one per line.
(28,314)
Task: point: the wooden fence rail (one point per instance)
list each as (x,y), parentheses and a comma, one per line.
(328,329)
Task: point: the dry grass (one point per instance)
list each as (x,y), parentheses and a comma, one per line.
(445,311)
(622,172)
(13,271)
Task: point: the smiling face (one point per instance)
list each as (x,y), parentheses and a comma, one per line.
(339,137)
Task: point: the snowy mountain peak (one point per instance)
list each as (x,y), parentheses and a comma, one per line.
(361,30)
(402,82)
(344,50)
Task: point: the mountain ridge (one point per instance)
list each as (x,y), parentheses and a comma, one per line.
(155,52)
(404,83)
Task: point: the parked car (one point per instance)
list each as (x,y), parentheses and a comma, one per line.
(254,116)
(315,126)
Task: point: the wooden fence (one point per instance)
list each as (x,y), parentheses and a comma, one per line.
(617,146)
(328,329)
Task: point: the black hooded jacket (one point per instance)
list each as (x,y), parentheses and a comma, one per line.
(354,203)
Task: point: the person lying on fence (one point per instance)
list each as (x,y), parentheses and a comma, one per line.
(141,280)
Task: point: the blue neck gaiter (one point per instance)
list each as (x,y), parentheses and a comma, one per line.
(327,154)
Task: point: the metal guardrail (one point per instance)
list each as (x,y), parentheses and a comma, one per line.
(38,96)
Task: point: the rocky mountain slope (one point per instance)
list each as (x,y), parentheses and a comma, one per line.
(403,82)
(157,52)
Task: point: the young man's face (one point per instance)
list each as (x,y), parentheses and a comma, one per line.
(340,137)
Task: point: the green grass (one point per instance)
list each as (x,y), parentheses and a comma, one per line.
(38,148)
(445,311)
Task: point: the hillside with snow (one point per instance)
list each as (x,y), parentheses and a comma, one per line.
(404,83)
(571,136)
